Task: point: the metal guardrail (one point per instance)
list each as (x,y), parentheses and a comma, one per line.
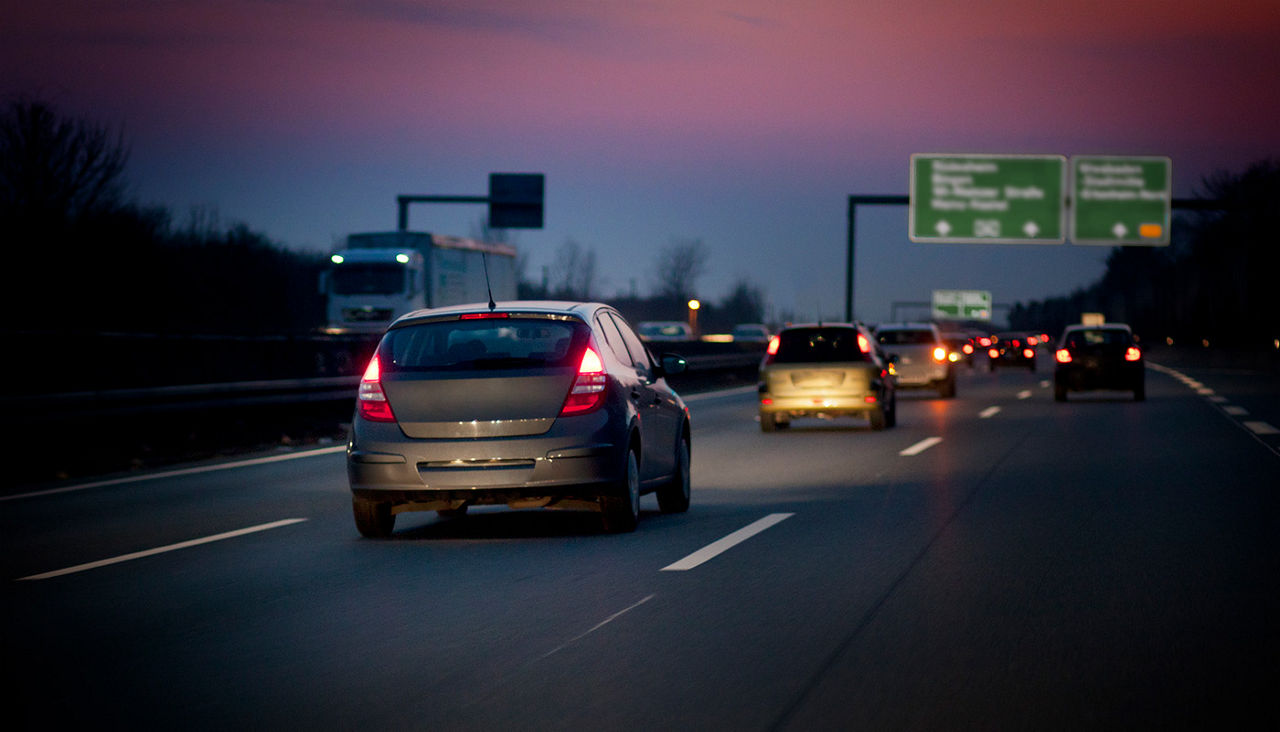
(124,402)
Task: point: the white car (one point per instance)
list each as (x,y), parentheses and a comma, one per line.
(920,357)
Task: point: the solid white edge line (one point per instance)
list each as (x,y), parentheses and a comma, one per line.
(920,446)
(161,550)
(704,395)
(178,473)
(722,545)
(988,412)
(597,626)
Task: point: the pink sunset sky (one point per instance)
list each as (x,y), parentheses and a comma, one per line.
(745,124)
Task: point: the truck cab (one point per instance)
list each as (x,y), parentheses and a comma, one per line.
(369,288)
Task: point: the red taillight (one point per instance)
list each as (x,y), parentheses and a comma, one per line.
(984,341)
(1062,355)
(483,316)
(869,399)
(1132,354)
(1028,353)
(587,392)
(994,353)
(766,401)
(371,401)
(772,350)
(968,349)
(1032,340)
(863,345)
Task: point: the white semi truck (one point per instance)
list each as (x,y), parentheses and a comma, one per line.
(382,275)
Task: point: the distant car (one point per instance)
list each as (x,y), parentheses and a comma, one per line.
(1098,357)
(960,347)
(1012,349)
(531,404)
(920,357)
(826,371)
(665,330)
(750,333)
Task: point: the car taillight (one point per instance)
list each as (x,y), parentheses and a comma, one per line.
(863,345)
(994,353)
(1062,355)
(968,349)
(371,401)
(869,399)
(1028,353)
(984,341)
(1132,354)
(939,354)
(483,316)
(587,392)
(1032,340)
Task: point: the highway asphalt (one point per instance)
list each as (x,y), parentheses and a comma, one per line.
(997,561)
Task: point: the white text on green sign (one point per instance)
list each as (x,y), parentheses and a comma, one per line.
(988,198)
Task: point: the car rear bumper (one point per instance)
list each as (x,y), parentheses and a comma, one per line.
(1085,379)
(846,406)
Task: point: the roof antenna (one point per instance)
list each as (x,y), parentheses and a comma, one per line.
(484,256)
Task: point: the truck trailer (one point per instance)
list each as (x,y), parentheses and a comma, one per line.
(382,275)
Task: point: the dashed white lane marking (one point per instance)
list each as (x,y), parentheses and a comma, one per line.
(921,446)
(162,549)
(1261,428)
(1205,391)
(988,412)
(722,545)
(1218,399)
(1044,384)
(1235,411)
(180,472)
(1024,394)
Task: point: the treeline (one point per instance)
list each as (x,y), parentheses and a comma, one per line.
(79,255)
(1216,282)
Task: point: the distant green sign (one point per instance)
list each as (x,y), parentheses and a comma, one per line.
(961,305)
(988,199)
(1121,200)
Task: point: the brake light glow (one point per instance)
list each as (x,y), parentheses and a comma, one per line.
(1062,356)
(939,354)
(968,349)
(994,353)
(371,401)
(483,316)
(984,341)
(1028,353)
(1132,353)
(869,399)
(587,392)
(772,350)
(1032,340)
(863,345)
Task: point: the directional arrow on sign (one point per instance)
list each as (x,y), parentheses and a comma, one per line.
(1031,229)
(1119,230)
(943,227)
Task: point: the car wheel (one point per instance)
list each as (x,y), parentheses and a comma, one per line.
(891,417)
(948,388)
(767,422)
(374,519)
(878,418)
(458,512)
(621,508)
(1059,392)
(674,496)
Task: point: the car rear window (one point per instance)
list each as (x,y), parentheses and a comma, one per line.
(905,337)
(506,343)
(818,345)
(1098,337)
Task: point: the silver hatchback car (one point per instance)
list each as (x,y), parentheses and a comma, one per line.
(529,404)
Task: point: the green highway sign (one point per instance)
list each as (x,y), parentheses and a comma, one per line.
(961,305)
(1121,200)
(988,199)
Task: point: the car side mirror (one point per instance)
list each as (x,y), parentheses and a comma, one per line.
(673,363)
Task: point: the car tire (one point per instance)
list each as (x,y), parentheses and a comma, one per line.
(620,509)
(891,416)
(458,512)
(767,422)
(374,519)
(878,419)
(948,388)
(1059,392)
(674,496)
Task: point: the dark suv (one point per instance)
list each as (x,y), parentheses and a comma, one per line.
(1098,357)
(528,404)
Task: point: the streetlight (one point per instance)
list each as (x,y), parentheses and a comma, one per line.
(693,316)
